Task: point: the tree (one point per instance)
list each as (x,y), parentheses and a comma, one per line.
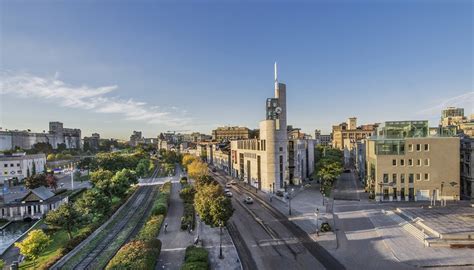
(121,181)
(52,181)
(101,179)
(61,147)
(205,180)
(142,167)
(32,246)
(197,169)
(2,264)
(42,147)
(35,181)
(211,204)
(64,217)
(188,159)
(93,204)
(77,175)
(51,157)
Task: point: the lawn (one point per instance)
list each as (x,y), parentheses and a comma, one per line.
(58,240)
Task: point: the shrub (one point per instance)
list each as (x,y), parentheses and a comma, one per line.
(195,266)
(137,254)
(159,209)
(187,194)
(325,227)
(196,258)
(188,216)
(151,229)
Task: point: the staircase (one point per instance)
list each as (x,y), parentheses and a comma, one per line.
(410,228)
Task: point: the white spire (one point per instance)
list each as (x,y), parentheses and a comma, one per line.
(276,72)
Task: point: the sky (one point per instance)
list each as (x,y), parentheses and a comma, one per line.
(116,66)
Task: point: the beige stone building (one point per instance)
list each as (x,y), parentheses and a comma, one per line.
(405,163)
(346,135)
(230,133)
(454,119)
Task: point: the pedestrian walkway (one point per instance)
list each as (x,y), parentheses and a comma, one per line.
(174,240)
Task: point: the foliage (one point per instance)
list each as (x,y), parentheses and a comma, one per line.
(328,167)
(2,264)
(52,181)
(197,169)
(137,254)
(170,157)
(188,218)
(196,258)
(205,180)
(42,147)
(64,217)
(88,163)
(33,244)
(325,227)
(143,167)
(188,159)
(187,193)
(36,180)
(116,161)
(211,204)
(93,203)
(183,180)
(151,229)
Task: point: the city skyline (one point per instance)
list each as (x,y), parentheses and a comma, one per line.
(141,76)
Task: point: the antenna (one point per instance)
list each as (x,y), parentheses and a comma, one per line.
(276,72)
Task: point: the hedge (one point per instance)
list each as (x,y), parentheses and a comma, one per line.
(188,216)
(196,258)
(151,229)
(137,254)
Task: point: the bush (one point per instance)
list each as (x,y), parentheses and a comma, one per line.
(187,194)
(188,216)
(159,209)
(325,227)
(196,258)
(137,254)
(151,229)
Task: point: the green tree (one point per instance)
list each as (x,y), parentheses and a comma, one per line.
(93,204)
(34,243)
(197,169)
(211,204)
(121,181)
(42,147)
(102,179)
(143,168)
(64,217)
(221,210)
(2,264)
(35,181)
(51,157)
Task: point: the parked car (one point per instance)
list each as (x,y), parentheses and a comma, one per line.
(248,200)
(228,185)
(233,182)
(226,190)
(213,170)
(228,194)
(279,193)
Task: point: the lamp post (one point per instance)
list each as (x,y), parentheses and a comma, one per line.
(220,246)
(289,201)
(317,221)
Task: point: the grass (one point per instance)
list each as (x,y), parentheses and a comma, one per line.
(54,249)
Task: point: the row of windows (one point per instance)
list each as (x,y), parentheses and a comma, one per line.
(11,165)
(6,173)
(252,145)
(411,177)
(426,147)
(401,162)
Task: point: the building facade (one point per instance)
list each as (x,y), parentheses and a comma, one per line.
(321,139)
(230,133)
(25,139)
(467,165)
(19,166)
(92,142)
(345,135)
(454,121)
(404,163)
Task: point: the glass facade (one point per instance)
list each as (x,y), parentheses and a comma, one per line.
(403,129)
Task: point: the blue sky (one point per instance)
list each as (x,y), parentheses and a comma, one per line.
(117,66)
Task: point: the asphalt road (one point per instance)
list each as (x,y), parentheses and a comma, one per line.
(273,241)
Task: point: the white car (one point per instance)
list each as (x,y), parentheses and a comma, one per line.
(228,185)
(248,200)
(226,190)
(228,194)
(233,182)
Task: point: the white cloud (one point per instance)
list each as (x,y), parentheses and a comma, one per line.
(465,101)
(95,99)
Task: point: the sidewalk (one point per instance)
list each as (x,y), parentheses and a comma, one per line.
(174,241)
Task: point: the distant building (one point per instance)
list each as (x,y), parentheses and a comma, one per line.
(321,139)
(57,135)
(467,165)
(453,121)
(230,133)
(405,163)
(19,166)
(92,143)
(136,138)
(218,155)
(345,135)
(360,160)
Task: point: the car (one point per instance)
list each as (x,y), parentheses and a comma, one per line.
(248,200)
(347,170)
(228,194)
(233,182)
(226,190)
(213,170)
(279,193)
(228,185)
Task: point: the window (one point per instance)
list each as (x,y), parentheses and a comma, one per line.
(402,178)
(418,162)
(394,178)
(11,165)
(402,162)
(427,162)
(394,162)
(410,147)
(418,176)
(385,177)
(18,164)
(281,149)
(427,147)
(410,178)
(5,172)
(410,162)
(5,165)
(418,147)
(427,176)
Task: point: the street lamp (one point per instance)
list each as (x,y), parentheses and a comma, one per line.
(220,247)
(289,201)
(317,221)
